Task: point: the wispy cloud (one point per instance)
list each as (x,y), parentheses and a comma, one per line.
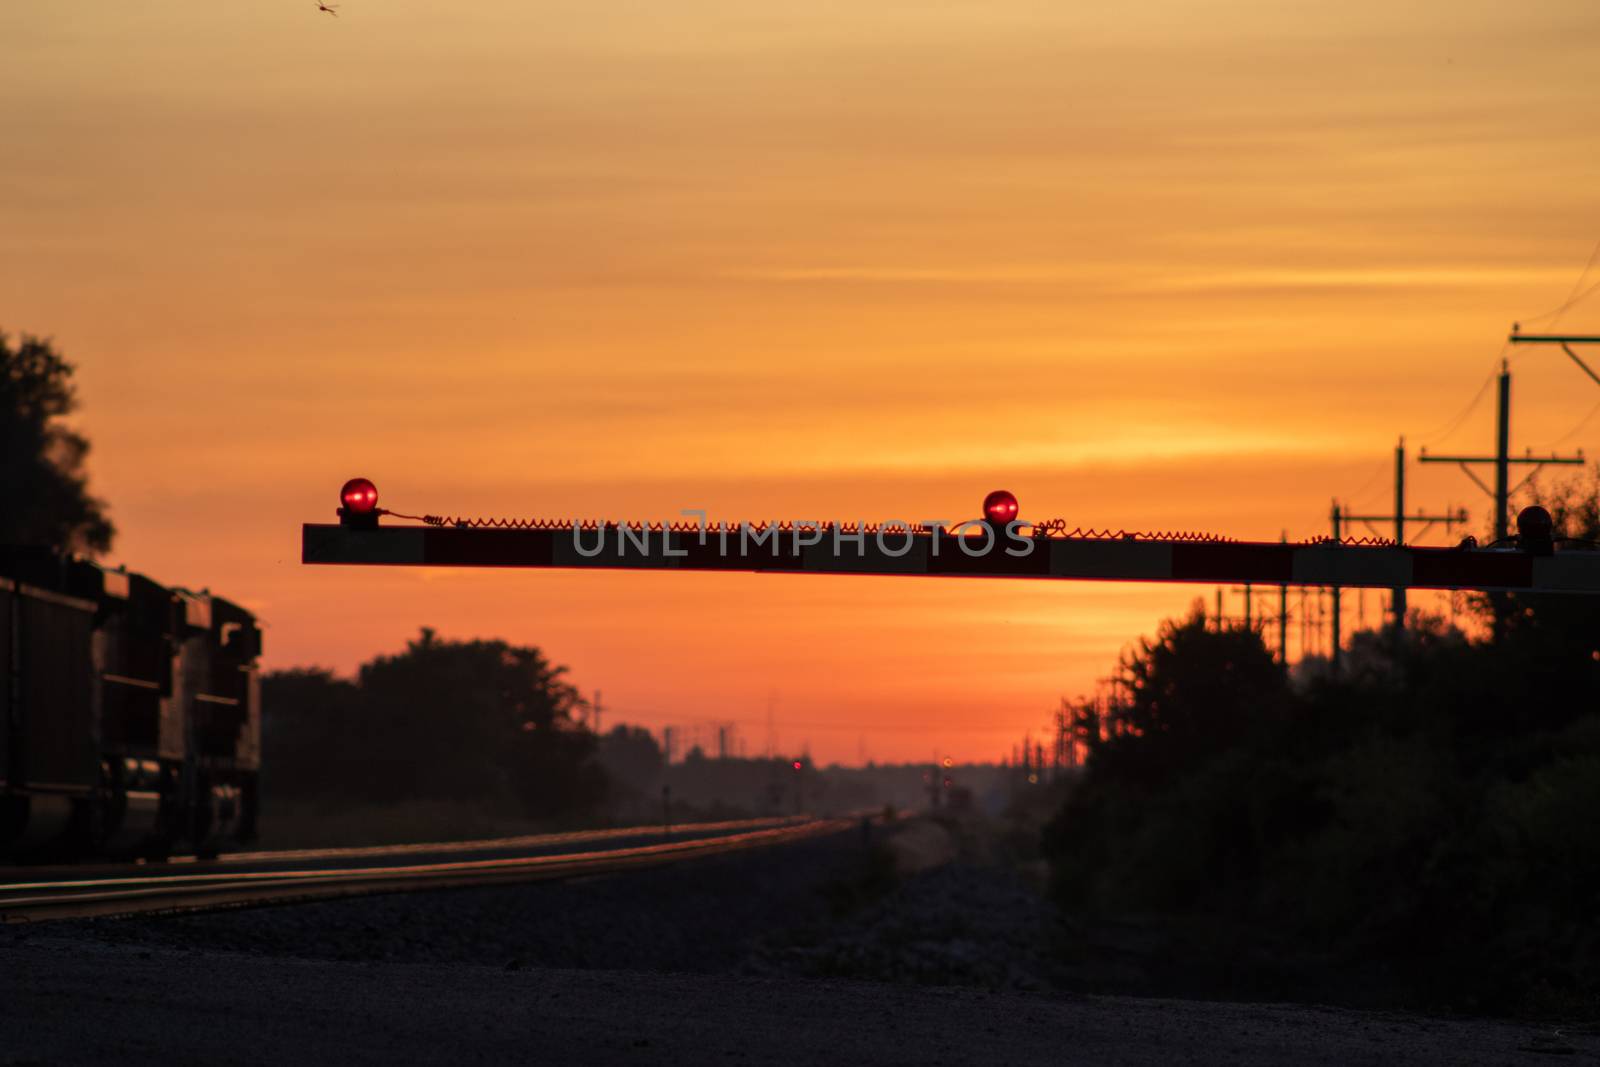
(1095,275)
(999,274)
(1353,278)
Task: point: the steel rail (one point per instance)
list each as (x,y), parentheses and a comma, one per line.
(488,844)
(82,898)
(180,864)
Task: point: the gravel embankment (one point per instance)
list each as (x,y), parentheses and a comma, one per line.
(746,957)
(959,924)
(74,1001)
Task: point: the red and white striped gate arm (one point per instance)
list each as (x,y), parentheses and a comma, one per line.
(976,550)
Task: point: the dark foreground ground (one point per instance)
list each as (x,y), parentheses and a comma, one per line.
(817,953)
(74,1001)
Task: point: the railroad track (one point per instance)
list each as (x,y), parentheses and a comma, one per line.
(276,877)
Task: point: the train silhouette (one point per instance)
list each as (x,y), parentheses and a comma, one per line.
(130,713)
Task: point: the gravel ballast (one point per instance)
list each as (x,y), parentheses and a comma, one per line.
(745,957)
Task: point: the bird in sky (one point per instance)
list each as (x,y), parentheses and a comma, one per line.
(332,9)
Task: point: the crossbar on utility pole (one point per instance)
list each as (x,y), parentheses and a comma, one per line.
(1565,340)
(1519,338)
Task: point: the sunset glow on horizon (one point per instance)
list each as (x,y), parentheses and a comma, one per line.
(1178,266)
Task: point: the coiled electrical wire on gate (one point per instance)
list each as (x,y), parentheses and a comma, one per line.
(1355,542)
(1046,529)
(461,523)
(1053,529)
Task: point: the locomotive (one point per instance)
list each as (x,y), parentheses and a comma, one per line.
(130,712)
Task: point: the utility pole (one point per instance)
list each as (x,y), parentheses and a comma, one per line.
(1305,623)
(1502,458)
(1400,518)
(1338,536)
(1283,618)
(1249,612)
(1265,617)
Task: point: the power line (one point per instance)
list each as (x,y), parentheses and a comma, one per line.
(1371,478)
(1570,434)
(1455,424)
(1594,254)
(1574,297)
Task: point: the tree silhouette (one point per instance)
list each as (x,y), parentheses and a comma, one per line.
(1424,813)
(42,480)
(1193,692)
(476,721)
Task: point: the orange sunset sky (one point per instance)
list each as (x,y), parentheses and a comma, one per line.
(1171,264)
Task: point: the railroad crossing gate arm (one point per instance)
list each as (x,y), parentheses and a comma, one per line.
(997,546)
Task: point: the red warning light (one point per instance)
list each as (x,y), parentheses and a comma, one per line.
(1000,507)
(359,496)
(798,765)
(1536,531)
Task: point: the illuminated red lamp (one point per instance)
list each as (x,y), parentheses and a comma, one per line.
(1000,508)
(798,765)
(359,504)
(359,495)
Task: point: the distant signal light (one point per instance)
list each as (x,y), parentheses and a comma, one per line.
(359,504)
(1000,508)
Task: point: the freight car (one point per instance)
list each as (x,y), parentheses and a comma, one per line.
(129,712)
